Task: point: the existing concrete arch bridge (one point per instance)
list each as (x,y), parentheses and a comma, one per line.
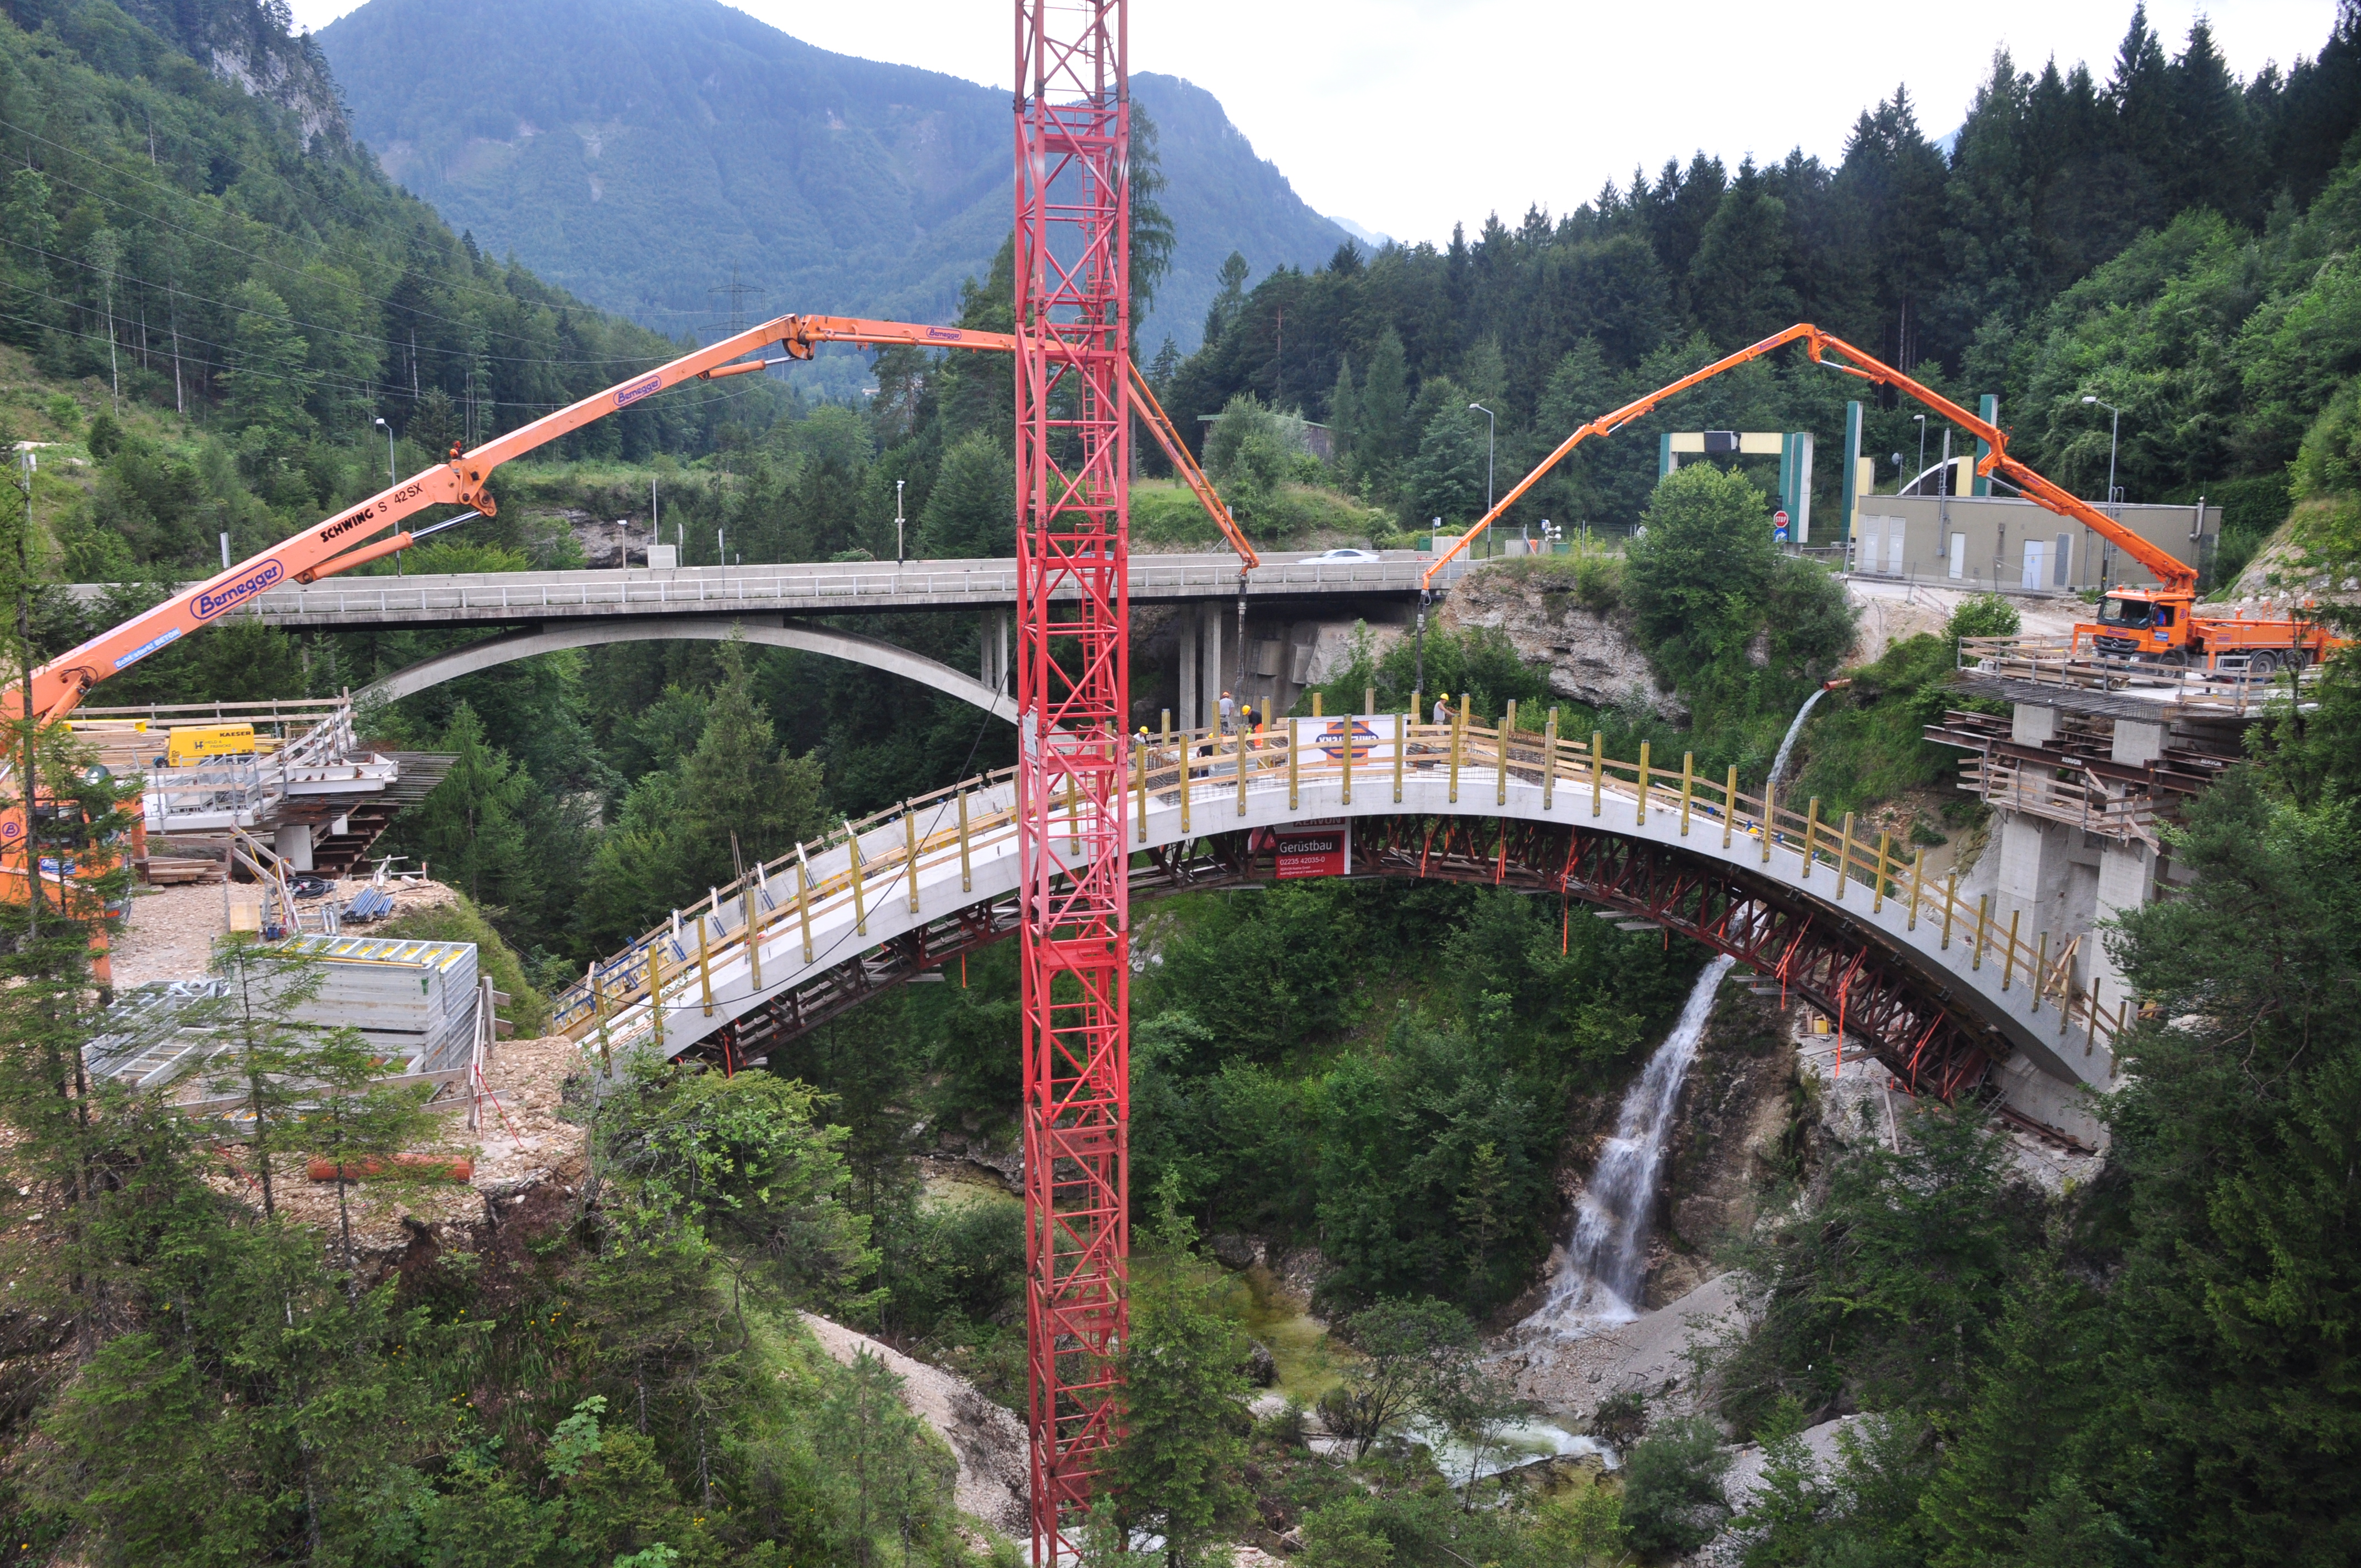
(1949,999)
(769,634)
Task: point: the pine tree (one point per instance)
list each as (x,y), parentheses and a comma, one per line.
(1230,299)
(270,1047)
(971,512)
(471,825)
(1152,235)
(1447,478)
(736,783)
(1738,282)
(1344,409)
(1177,1471)
(1382,436)
(358,1123)
(2215,162)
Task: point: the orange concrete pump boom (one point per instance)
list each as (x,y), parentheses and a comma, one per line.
(2175,577)
(350,538)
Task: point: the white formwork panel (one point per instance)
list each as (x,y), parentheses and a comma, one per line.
(416,1000)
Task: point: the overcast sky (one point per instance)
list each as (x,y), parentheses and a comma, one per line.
(1408,115)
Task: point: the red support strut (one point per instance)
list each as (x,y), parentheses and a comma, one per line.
(1073,465)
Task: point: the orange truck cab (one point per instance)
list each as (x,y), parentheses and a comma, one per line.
(2134,623)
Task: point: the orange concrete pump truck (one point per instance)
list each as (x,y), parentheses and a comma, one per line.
(351,539)
(2158,625)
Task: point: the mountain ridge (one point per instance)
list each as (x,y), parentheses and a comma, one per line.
(607,142)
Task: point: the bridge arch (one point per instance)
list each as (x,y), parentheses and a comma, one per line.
(772,632)
(1945,999)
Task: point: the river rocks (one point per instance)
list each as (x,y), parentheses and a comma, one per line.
(1591,655)
(1236,1251)
(1567,1377)
(1261,1366)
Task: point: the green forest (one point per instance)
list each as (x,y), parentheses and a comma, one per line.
(218,318)
(2165,237)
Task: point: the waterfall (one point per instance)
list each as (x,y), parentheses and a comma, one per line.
(1779,762)
(1608,1248)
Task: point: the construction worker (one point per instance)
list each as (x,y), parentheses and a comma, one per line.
(1443,708)
(1229,713)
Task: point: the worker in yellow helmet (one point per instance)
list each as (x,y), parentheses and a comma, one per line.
(1443,708)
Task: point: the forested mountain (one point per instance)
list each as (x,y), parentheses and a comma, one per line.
(2148,233)
(235,260)
(644,153)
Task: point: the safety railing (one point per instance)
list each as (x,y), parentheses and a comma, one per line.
(2080,800)
(2228,683)
(1210,777)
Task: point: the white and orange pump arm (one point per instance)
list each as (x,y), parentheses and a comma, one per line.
(2174,576)
(351,539)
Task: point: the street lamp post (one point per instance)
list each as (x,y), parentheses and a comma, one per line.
(1489,427)
(2115,430)
(391,478)
(900,557)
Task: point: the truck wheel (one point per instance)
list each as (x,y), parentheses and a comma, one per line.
(2263,662)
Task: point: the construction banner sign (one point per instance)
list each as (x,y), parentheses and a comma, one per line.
(1323,848)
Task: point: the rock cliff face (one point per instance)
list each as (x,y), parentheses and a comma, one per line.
(1735,1129)
(1590,653)
(253,43)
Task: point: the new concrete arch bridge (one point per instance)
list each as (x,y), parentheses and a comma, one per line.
(1949,998)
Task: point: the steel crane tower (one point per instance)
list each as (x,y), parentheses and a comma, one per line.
(1073,683)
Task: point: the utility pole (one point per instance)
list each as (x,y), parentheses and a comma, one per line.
(899,554)
(172,295)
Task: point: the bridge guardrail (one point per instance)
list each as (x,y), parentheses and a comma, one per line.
(1205,772)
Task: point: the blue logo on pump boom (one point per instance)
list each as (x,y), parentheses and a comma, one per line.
(638,390)
(211,602)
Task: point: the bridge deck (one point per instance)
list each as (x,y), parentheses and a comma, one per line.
(804,588)
(842,902)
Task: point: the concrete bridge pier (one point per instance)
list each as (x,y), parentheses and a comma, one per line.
(1185,634)
(292,843)
(2063,880)
(1202,680)
(993,660)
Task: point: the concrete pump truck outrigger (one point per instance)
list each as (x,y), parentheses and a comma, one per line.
(351,539)
(2159,624)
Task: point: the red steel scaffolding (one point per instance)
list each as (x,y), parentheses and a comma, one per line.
(1073,683)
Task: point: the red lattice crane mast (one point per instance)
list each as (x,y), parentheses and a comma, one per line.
(1073,684)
